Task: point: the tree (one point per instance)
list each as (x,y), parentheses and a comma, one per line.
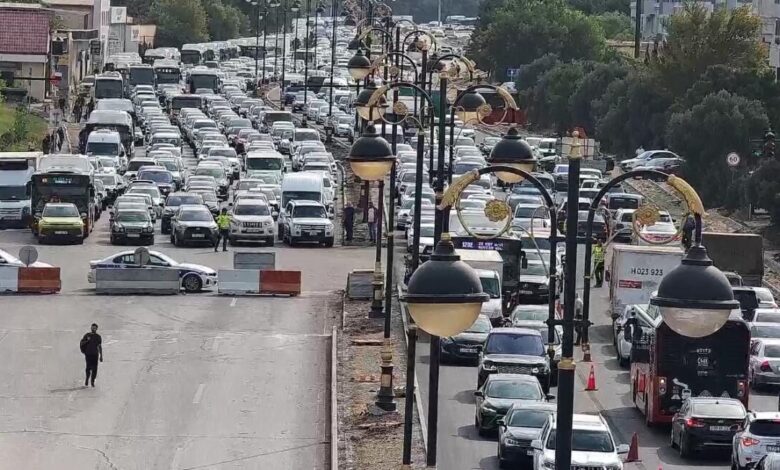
(549,107)
(706,133)
(224,21)
(179,22)
(597,7)
(763,189)
(591,89)
(529,75)
(698,39)
(615,25)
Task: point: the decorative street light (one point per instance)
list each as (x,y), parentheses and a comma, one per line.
(359,66)
(371,157)
(275,4)
(370,112)
(514,152)
(470,104)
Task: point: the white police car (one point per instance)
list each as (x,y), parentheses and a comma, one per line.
(194,277)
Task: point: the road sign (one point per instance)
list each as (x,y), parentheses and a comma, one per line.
(732,159)
(141,256)
(512,73)
(55,78)
(28,255)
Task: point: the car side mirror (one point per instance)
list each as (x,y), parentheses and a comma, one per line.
(524,263)
(536,444)
(478,393)
(622,449)
(501,422)
(549,397)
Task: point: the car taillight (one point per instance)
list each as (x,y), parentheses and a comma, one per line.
(694,423)
(765,367)
(750,442)
(662,385)
(741,388)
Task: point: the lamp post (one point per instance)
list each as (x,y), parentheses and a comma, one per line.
(317,12)
(284,58)
(296,8)
(334,18)
(306,60)
(275,4)
(371,159)
(264,14)
(257,35)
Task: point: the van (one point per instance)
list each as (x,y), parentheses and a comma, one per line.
(262,162)
(105,142)
(303,186)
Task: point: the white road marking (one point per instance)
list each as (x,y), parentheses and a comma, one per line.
(176,458)
(233,302)
(198,394)
(70,396)
(215,344)
(110,342)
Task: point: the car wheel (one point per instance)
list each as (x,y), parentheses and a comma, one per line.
(329,244)
(672,444)
(192,283)
(175,239)
(80,241)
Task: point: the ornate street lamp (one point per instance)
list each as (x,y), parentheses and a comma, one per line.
(514,152)
(469,105)
(370,113)
(359,66)
(371,157)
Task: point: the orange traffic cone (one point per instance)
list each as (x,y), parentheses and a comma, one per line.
(591,386)
(633,450)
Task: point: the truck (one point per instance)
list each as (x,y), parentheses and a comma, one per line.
(741,253)
(490,267)
(16,170)
(635,272)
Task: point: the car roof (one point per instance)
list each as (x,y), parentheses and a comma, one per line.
(306,203)
(533,405)
(514,331)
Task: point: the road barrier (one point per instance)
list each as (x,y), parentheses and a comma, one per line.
(146,280)
(261,260)
(9,279)
(360,284)
(23,280)
(280,282)
(238,281)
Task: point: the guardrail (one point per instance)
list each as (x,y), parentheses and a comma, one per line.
(261,282)
(30,280)
(140,281)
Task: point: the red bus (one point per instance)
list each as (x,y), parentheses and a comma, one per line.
(667,368)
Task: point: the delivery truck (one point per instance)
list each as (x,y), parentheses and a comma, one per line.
(741,253)
(635,272)
(489,266)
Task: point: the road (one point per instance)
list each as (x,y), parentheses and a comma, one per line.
(189,382)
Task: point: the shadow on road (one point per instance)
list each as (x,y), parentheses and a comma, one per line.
(465,397)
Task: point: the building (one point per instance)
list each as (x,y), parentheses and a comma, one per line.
(656,13)
(25,44)
(769,11)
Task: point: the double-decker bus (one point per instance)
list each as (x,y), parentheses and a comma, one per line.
(667,368)
(63,186)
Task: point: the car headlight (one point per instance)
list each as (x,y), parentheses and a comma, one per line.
(267,223)
(487,407)
(512,442)
(489,366)
(148,229)
(535,370)
(118,228)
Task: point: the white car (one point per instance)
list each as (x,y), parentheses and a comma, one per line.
(194,277)
(592,444)
(7,259)
(426,238)
(252,221)
(760,436)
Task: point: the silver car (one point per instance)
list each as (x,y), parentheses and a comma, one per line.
(761,435)
(765,362)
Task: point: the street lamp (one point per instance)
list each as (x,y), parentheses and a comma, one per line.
(276,4)
(469,106)
(317,12)
(359,66)
(371,157)
(514,152)
(370,113)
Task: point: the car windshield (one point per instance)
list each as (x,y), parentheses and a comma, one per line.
(765,331)
(521,344)
(196,216)
(156,176)
(169,165)
(222,152)
(316,212)
(217,173)
(534,269)
(300,196)
(514,389)
(481,325)
(623,203)
(153,192)
(102,148)
(134,165)
(208,196)
(273,164)
(491,287)
(465,167)
(135,216)
(251,209)
(714,409)
(528,418)
(427,231)
(177,200)
(586,440)
(767,317)
(107,180)
(531,313)
(60,211)
(529,212)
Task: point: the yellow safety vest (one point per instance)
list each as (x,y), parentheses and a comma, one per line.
(223,221)
(598,254)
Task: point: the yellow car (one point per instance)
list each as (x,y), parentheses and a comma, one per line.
(60,221)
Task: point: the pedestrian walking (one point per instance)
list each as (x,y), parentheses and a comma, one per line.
(46,144)
(91,346)
(60,137)
(371,219)
(348,220)
(223,224)
(598,262)
(578,318)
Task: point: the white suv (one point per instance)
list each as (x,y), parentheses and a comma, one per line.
(761,436)
(592,445)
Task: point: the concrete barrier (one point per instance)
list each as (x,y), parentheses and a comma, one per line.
(238,281)
(260,260)
(9,279)
(280,282)
(360,284)
(140,281)
(39,280)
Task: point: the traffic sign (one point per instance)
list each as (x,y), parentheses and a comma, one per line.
(28,255)
(55,78)
(732,159)
(141,256)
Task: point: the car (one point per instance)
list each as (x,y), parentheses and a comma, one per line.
(759,436)
(499,392)
(521,424)
(534,282)
(132,226)
(193,224)
(529,312)
(306,221)
(768,462)
(512,351)
(194,277)
(60,221)
(764,364)
(172,203)
(465,346)
(557,345)
(425,240)
(706,423)
(592,444)
(252,221)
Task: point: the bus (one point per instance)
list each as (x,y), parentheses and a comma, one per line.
(108,85)
(141,74)
(177,102)
(153,55)
(63,186)
(167,71)
(667,368)
(203,78)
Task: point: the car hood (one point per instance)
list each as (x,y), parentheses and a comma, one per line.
(469,338)
(514,359)
(134,224)
(252,218)
(197,223)
(196,267)
(61,220)
(531,279)
(523,433)
(310,221)
(503,404)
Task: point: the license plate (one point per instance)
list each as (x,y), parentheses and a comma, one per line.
(529,452)
(526,292)
(60,232)
(773,448)
(198,235)
(133,235)
(719,428)
(253,230)
(313,232)
(468,350)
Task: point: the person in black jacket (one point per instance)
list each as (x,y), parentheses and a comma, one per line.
(92,348)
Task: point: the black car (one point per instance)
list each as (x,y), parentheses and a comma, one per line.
(599,230)
(172,203)
(466,346)
(514,351)
(534,283)
(706,422)
(132,226)
(519,426)
(193,224)
(499,393)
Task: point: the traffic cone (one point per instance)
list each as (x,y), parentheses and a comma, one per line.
(591,386)
(633,450)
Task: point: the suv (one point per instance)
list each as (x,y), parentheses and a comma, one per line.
(761,435)
(592,444)
(193,224)
(306,221)
(252,221)
(514,351)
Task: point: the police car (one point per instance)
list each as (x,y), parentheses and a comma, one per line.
(194,277)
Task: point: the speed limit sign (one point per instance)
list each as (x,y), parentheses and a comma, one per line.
(732,159)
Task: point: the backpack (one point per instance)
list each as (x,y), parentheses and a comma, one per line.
(83,344)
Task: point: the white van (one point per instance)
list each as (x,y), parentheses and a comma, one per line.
(264,162)
(107,143)
(303,186)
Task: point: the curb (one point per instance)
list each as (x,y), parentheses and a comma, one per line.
(334,401)
(417,397)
